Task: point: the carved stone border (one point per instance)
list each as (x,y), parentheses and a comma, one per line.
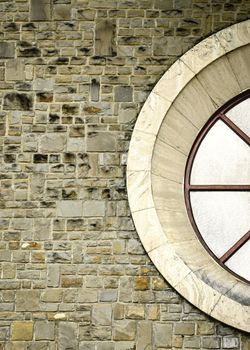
(156,163)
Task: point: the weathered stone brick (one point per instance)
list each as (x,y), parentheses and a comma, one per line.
(18,101)
(123,94)
(124,330)
(40,10)
(7,49)
(44,330)
(67,335)
(22,330)
(104,38)
(101,314)
(184,328)
(27,300)
(52,143)
(15,70)
(162,333)
(101,141)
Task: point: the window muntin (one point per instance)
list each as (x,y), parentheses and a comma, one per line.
(217,186)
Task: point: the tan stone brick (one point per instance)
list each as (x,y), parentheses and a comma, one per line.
(22,330)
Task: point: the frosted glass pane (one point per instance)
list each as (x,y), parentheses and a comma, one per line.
(222,158)
(240,261)
(221,217)
(240,115)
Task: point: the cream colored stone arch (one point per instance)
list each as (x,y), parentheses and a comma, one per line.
(187,95)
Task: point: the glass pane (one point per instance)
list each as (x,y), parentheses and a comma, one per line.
(223,158)
(221,217)
(240,115)
(239,262)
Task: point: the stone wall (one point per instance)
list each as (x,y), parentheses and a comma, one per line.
(73,77)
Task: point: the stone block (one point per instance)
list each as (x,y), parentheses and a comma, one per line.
(101,314)
(135,312)
(52,295)
(165,4)
(105,38)
(18,101)
(144,336)
(42,229)
(15,70)
(52,143)
(168,46)
(162,333)
(22,330)
(7,49)
(101,141)
(62,12)
(230,342)
(40,10)
(67,336)
(123,94)
(44,330)
(44,84)
(184,328)
(95,90)
(94,208)
(124,330)
(27,300)
(70,208)
(192,342)
(53,275)
(211,342)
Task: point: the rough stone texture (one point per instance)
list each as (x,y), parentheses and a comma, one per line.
(40,10)
(7,49)
(15,70)
(71,261)
(22,330)
(18,101)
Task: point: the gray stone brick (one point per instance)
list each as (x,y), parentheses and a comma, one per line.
(7,49)
(15,70)
(162,333)
(67,335)
(123,94)
(124,330)
(101,314)
(104,37)
(101,141)
(40,10)
(27,300)
(44,330)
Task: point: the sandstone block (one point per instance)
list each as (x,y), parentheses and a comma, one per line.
(62,12)
(44,330)
(184,328)
(101,141)
(44,84)
(94,208)
(7,49)
(211,342)
(163,334)
(40,10)
(18,101)
(15,70)
(101,314)
(27,300)
(144,336)
(135,312)
(53,142)
(164,46)
(67,336)
(104,38)
(69,208)
(22,330)
(124,330)
(123,94)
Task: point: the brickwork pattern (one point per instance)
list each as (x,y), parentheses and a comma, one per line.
(73,77)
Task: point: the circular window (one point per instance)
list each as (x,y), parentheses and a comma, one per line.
(217,186)
(183,164)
